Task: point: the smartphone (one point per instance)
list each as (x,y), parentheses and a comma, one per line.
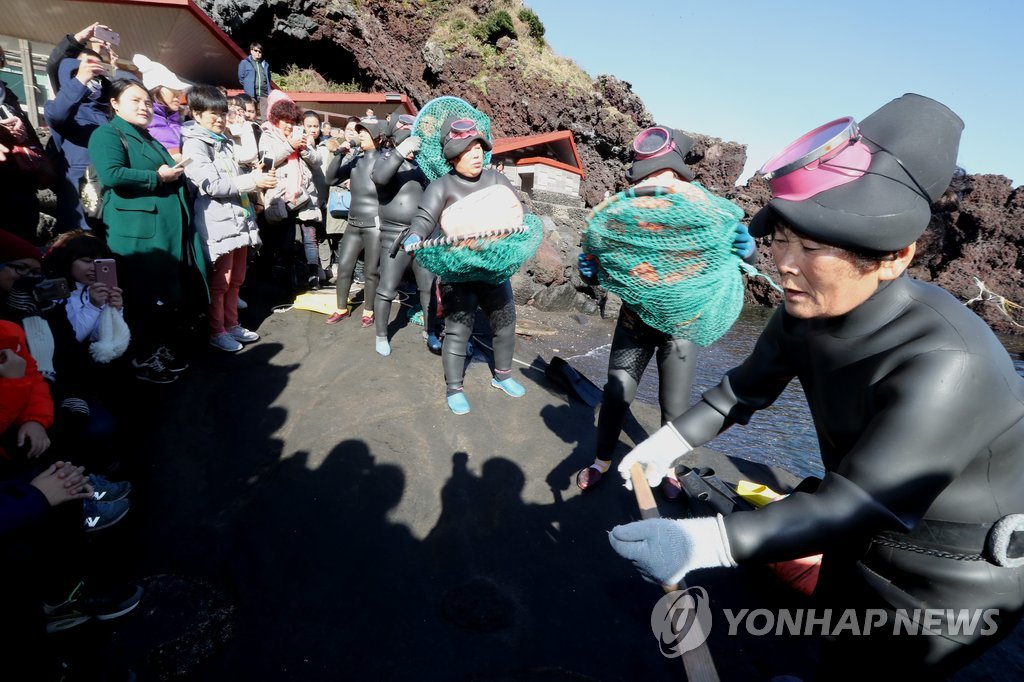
(184,162)
(267,163)
(106,271)
(105,34)
(5,111)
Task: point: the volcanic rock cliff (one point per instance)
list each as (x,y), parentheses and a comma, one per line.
(427,48)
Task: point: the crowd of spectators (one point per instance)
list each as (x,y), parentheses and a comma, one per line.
(164,192)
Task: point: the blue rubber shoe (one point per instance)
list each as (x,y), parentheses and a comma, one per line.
(433,343)
(510,386)
(458,404)
(382,346)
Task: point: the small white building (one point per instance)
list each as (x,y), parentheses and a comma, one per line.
(541,163)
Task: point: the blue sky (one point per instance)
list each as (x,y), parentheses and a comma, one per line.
(764,73)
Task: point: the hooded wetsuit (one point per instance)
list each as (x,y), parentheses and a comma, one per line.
(363,232)
(460,300)
(400,186)
(919,415)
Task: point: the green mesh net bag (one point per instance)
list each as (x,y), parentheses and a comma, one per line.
(487,256)
(427,127)
(667,253)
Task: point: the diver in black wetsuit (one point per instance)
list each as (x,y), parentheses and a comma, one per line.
(363,232)
(464,149)
(400,184)
(634,342)
(918,410)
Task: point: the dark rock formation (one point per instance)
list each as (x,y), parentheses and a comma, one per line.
(977,228)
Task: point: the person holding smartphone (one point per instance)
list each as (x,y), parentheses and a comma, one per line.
(83,67)
(148,218)
(224,216)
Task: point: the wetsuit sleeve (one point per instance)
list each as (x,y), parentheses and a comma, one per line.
(385,168)
(918,441)
(752,386)
(430,209)
(337,174)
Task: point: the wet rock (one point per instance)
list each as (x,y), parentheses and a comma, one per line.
(546,266)
(561,297)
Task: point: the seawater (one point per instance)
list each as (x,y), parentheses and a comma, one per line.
(781,435)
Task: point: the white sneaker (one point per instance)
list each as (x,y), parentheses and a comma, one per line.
(242,305)
(243,335)
(225,342)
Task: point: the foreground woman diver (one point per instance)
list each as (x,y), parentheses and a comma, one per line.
(658,160)
(400,184)
(918,410)
(463,145)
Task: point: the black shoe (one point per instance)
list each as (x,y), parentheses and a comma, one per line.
(171,361)
(153,371)
(82,606)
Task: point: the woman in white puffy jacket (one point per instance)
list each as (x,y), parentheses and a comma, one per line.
(224,217)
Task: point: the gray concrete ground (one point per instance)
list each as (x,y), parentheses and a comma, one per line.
(313,511)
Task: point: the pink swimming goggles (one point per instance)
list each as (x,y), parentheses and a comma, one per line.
(829,156)
(652,143)
(462,128)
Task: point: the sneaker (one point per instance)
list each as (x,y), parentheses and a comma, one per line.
(225,342)
(153,371)
(242,305)
(171,362)
(338,315)
(108,491)
(100,515)
(243,335)
(433,343)
(458,404)
(510,386)
(80,607)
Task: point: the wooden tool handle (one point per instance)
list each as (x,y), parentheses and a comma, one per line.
(699,665)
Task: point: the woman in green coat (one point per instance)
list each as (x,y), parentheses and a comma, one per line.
(146,213)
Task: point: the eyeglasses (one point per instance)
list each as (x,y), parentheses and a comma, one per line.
(22,269)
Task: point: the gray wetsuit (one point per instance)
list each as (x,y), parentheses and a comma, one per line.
(400,185)
(363,232)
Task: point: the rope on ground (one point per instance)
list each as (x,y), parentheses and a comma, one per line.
(524,364)
(1004,304)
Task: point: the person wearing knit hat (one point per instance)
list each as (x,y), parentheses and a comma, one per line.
(400,183)
(658,161)
(14,249)
(167,90)
(917,407)
(447,198)
(363,231)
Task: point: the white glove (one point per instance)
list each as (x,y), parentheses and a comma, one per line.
(665,550)
(658,455)
(409,145)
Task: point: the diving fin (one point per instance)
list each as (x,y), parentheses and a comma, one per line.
(575,384)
